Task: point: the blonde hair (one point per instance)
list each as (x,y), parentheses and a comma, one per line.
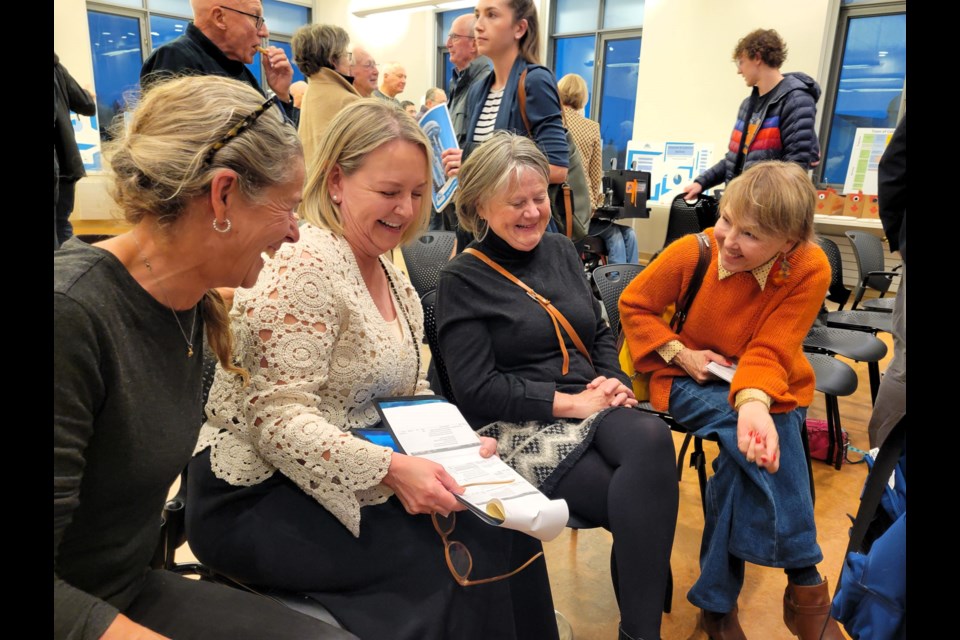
(356,131)
(573,91)
(491,167)
(163,160)
(316,46)
(778,196)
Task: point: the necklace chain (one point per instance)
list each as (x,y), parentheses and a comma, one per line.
(166,299)
(413,338)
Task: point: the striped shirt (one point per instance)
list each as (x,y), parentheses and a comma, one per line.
(488,117)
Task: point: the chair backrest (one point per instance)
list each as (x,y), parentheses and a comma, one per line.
(683,220)
(868,250)
(429,303)
(426,256)
(611,280)
(837,292)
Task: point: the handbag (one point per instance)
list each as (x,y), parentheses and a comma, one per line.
(818,435)
(570,203)
(674,314)
(558,318)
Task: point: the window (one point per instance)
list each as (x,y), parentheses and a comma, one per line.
(599,40)
(119,43)
(868,81)
(444,66)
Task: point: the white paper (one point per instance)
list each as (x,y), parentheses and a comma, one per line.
(438,127)
(672,165)
(431,428)
(868,145)
(722,372)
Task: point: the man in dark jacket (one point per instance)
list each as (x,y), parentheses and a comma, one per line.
(224,37)
(67,163)
(776,122)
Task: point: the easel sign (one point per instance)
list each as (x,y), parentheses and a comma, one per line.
(672,165)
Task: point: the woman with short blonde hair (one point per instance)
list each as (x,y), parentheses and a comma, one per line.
(761,292)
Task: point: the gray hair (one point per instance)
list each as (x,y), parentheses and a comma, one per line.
(316,46)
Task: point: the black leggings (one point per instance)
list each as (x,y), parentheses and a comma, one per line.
(626,482)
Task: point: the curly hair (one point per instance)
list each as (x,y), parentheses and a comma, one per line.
(765,43)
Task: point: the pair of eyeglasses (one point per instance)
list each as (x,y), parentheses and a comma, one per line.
(459,560)
(348,55)
(369,65)
(453,37)
(257,20)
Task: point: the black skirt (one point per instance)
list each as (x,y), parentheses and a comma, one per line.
(391,582)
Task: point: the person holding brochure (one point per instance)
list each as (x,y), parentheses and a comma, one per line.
(282,494)
(556,400)
(761,293)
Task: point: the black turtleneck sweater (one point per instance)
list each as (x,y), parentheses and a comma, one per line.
(500,347)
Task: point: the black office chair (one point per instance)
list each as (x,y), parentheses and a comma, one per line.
(870,322)
(868,251)
(426,256)
(690,218)
(859,346)
(593,252)
(173,535)
(833,379)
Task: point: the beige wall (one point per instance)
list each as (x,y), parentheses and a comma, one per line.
(689,88)
(407,38)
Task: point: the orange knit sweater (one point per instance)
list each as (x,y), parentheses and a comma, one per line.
(762,330)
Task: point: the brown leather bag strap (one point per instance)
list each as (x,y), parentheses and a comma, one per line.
(568,208)
(555,315)
(522,98)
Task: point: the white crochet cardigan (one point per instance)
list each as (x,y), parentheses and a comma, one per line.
(318,351)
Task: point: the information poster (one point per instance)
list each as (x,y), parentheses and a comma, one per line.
(87,134)
(672,165)
(868,145)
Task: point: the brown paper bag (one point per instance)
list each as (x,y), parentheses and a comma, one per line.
(829,203)
(853,204)
(872,207)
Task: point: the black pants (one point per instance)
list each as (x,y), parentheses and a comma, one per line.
(390,582)
(63,209)
(626,482)
(181,608)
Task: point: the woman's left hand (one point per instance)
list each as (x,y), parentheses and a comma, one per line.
(488,447)
(620,394)
(757,436)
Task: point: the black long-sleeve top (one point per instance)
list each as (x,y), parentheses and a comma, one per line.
(126,413)
(499,346)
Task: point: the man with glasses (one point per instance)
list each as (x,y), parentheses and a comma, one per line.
(469,67)
(393,83)
(224,37)
(364,71)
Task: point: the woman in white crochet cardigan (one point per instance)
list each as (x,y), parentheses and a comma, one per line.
(281,493)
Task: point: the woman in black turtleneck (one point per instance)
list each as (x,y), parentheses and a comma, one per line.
(568,427)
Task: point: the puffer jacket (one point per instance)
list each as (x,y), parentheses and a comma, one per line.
(786,129)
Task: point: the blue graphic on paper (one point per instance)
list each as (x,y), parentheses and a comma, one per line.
(438,127)
(87,133)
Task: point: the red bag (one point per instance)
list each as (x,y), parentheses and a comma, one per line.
(819,437)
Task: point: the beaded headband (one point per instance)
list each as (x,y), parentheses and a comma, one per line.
(240,127)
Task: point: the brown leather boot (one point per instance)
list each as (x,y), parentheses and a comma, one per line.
(721,626)
(806,612)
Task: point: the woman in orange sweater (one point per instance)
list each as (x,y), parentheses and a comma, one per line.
(761,292)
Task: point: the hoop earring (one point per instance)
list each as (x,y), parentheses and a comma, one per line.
(224,230)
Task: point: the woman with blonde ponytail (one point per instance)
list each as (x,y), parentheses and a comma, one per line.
(210,177)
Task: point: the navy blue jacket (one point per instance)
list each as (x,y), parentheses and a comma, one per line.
(543,110)
(786,129)
(194,53)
